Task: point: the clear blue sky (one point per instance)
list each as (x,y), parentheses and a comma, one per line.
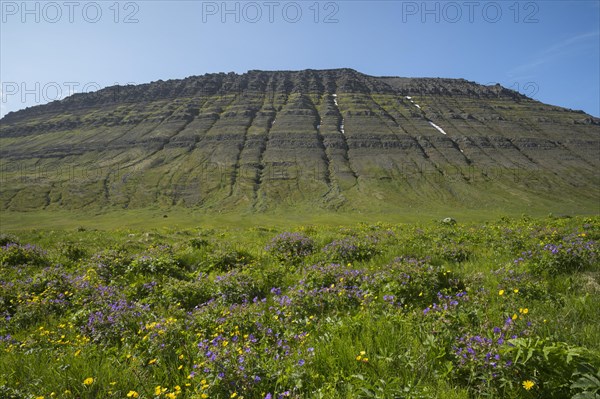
(549,50)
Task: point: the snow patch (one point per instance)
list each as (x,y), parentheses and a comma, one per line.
(437,127)
(341,127)
(413,102)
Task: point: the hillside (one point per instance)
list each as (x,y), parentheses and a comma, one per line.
(313,139)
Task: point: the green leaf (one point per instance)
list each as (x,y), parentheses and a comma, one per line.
(573,352)
(587,381)
(529,354)
(586,395)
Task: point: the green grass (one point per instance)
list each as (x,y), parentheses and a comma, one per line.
(135,305)
(183,218)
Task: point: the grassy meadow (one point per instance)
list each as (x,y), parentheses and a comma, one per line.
(307,308)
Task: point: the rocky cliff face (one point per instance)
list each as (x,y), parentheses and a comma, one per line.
(328,138)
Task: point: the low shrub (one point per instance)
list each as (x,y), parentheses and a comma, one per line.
(570,254)
(226,259)
(290,247)
(351,249)
(13,254)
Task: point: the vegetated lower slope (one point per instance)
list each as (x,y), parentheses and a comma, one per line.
(330,139)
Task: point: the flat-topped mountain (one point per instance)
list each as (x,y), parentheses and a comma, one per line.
(333,139)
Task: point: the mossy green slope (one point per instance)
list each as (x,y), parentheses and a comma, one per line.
(334,140)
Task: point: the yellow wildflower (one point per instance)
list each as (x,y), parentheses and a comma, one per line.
(528,384)
(88,381)
(133,394)
(501,292)
(152,361)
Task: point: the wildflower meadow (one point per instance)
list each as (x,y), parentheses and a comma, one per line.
(502,309)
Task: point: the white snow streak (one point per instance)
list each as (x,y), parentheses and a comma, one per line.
(430,122)
(341,127)
(437,127)
(413,102)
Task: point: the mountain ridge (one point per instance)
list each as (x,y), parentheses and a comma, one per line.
(333,139)
(116,90)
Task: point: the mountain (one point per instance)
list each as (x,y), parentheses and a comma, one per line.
(313,139)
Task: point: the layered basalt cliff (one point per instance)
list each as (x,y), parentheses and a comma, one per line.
(316,138)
